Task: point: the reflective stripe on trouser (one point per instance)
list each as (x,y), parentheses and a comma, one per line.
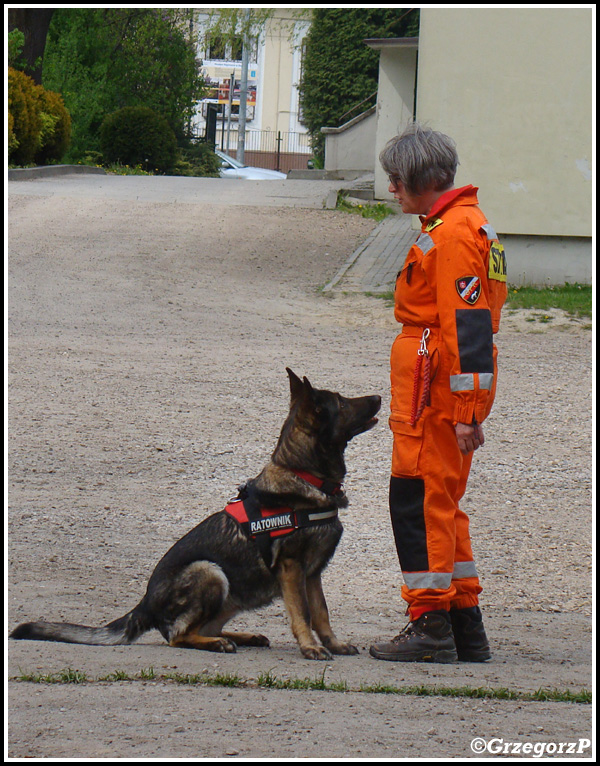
(429,477)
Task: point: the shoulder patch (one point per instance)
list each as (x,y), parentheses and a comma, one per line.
(433,224)
(497,267)
(469,289)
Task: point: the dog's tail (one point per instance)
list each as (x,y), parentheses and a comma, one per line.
(124,630)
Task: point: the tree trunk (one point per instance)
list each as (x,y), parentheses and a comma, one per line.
(33,23)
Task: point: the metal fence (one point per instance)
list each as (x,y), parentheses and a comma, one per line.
(273,149)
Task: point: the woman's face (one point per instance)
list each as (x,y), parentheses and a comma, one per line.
(413,204)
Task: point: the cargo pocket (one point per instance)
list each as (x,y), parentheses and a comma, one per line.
(402,370)
(408,442)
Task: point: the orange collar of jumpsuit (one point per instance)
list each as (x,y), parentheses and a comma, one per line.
(469,194)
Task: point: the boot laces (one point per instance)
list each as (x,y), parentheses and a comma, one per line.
(405,633)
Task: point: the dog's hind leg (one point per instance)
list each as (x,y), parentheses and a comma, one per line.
(319,616)
(293,588)
(193,640)
(215,628)
(200,593)
(246,639)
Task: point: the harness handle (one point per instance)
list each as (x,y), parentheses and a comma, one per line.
(422,355)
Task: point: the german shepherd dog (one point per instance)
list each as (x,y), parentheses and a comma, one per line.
(274,540)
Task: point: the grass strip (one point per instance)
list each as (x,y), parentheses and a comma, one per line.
(269,681)
(574,299)
(377,211)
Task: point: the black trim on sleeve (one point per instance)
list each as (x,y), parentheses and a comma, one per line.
(475,340)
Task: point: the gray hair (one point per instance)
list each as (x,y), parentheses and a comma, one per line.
(421,159)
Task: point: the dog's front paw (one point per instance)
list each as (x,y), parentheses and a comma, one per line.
(339,647)
(343,648)
(223,645)
(316,653)
(257,640)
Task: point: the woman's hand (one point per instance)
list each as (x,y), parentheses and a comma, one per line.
(469,437)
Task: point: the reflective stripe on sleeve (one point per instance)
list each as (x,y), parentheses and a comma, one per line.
(466,381)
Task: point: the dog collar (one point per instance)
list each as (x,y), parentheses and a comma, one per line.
(325,485)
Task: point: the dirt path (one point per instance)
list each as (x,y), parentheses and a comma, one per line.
(147,352)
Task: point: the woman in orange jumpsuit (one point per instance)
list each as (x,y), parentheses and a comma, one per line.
(448,298)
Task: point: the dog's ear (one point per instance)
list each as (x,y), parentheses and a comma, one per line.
(300,388)
(307,386)
(296,385)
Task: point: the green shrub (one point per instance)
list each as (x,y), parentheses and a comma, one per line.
(55,135)
(13,141)
(197,159)
(39,126)
(136,135)
(24,106)
(16,43)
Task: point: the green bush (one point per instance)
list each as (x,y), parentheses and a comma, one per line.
(39,126)
(197,159)
(55,135)
(16,43)
(136,135)
(13,141)
(24,106)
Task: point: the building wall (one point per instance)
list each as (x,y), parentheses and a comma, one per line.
(281,67)
(395,103)
(274,70)
(350,147)
(513,87)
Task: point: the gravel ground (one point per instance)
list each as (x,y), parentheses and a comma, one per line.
(147,352)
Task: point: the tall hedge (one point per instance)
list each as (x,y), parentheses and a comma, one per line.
(339,70)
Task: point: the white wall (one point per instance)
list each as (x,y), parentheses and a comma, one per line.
(276,71)
(350,147)
(513,87)
(395,102)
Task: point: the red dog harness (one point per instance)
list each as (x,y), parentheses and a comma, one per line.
(263,525)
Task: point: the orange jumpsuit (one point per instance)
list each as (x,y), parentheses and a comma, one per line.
(453,283)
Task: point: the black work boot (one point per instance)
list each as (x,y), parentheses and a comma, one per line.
(469,634)
(427,639)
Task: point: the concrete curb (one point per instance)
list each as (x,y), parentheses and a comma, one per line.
(50,171)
